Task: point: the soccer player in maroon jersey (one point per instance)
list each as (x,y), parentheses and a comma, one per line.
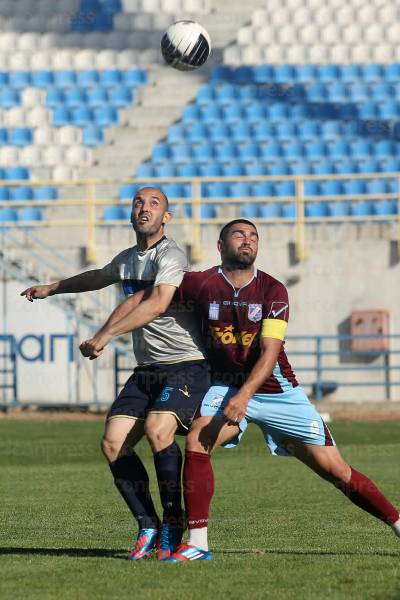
(244,314)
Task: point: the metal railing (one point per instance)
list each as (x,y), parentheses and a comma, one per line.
(8,371)
(88,199)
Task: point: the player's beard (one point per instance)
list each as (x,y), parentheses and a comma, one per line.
(238,260)
(147,228)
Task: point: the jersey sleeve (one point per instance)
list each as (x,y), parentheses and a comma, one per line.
(275,312)
(172,265)
(112,271)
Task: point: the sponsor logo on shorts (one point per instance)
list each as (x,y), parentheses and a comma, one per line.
(228,335)
(254,312)
(166,393)
(279,309)
(213,311)
(314,428)
(217,400)
(185,391)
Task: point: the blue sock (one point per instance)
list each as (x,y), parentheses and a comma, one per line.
(168,465)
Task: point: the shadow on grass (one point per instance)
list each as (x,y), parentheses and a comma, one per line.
(310,552)
(79,552)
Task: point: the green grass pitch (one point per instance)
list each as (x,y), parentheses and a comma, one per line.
(277,530)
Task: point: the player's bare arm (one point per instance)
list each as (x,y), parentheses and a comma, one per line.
(235,410)
(145,312)
(124,308)
(83,282)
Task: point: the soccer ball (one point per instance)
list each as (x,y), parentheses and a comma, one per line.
(185,45)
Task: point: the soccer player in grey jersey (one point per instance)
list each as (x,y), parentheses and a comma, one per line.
(169,382)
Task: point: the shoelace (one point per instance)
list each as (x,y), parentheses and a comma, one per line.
(164,537)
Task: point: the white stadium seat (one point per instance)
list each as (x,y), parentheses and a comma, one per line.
(383,53)
(281,16)
(361,53)
(122,22)
(330,34)
(339,53)
(296,54)
(374,33)
(8,41)
(171,6)
(303,16)
(62,60)
(106,59)
(53,156)
(393,33)
(63,173)
(77,156)
(127,59)
(317,53)
(245,36)
(232,55)
(68,136)
(29,41)
(324,16)
(19,61)
(37,116)
(151,5)
(287,34)
(85,59)
(131,6)
(14,117)
(93,39)
(30,156)
(48,40)
(345,17)
(388,14)
(32,97)
(366,14)
(44,136)
(252,55)
(265,35)
(259,18)
(8,156)
(275,54)
(309,34)
(352,34)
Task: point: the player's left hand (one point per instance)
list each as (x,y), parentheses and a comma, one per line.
(94,347)
(235,410)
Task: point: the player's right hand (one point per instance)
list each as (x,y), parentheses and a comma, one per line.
(37,292)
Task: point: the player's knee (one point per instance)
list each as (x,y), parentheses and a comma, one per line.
(110,449)
(337,472)
(193,443)
(158,435)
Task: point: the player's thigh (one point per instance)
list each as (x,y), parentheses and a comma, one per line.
(326,461)
(121,434)
(160,429)
(208,433)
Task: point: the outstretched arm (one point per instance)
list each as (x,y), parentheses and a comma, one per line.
(132,314)
(83,282)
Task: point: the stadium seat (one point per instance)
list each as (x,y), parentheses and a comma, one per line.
(45,193)
(289,210)
(9,97)
(127,191)
(240,189)
(210,169)
(114,213)
(82,116)
(316,209)
(106,116)
(270,210)
(363,208)
(339,209)
(250,210)
(61,117)
(120,96)
(147,170)
(21,193)
(8,215)
(92,136)
(65,79)
(208,211)
(16,173)
(4,194)
(111,77)
(20,137)
(30,214)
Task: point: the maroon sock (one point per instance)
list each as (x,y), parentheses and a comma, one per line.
(198,488)
(363,493)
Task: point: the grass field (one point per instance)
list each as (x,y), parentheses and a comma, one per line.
(277,530)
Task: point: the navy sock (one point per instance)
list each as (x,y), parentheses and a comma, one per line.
(168,465)
(132,482)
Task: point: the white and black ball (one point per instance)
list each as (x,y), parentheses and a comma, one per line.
(186,45)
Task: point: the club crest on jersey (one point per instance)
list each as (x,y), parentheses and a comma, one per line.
(217,400)
(213,311)
(254,312)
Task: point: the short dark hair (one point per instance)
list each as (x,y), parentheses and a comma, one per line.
(224,231)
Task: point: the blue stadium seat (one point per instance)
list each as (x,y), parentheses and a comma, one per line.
(64,79)
(106,116)
(316,150)
(323,166)
(197,132)
(16,173)
(329,73)
(317,93)
(54,97)
(249,150)
(382,91)
(61,116)
(173,190)
(21,193)
(177,133)
(337,92)
(127,191)
(205,94)
(300,111)
(284,73)
(377,186)
(390,109)
(271,150)
(286,131)
(20,136)
(187,170)
(4,193)
(204,152)
(45,193)
(255,112)
(3,78)
(284,188)
(312,188)
(271,210)
(160,152)
(211,113)
(278,169)
(385,207)
(240,189)
(306,73)
(391,72)
(114,213)
(232,169)
(393,186)
(8,214)
(243,74)
(241,131)
(92,136)
(388,165)
(42,79)
(3,136)
(208,211)
(225,151)
(162,170)
(263,188)
(333,187)
(351,73)
(181,152)
(147,170)
(97,96)
(30,214)
(362,208)
(361,149)
(19,79)
(218,132)
(339,149)
(134,77)
(75,97)
(384,148)
(191,113)
(254,168)
(345,166)
(331,130)
(339,209)
(308,129)
(368,111)
(82,116)
(367,165)
(316,209)
(222,73)
(9,97)
(278,111)
(293,150)
(127,211)
(219,189)
(120,96)
(210,169)
(299,167)
(88,79)
(263,131)
(372,72)
(263,74)
(359,91)
(289,210)
(248,93)
(354,186)
(250,210)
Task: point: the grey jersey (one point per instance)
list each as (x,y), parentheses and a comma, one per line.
(175,335)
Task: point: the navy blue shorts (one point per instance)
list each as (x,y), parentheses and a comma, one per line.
(177,389)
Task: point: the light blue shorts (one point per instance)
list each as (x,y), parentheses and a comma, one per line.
(279,416)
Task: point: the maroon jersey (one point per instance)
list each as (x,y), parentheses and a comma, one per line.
(232,321)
